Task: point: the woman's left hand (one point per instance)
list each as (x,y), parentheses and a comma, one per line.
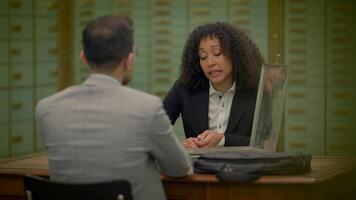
(209,138)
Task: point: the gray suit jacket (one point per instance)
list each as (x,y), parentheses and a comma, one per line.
(102,131)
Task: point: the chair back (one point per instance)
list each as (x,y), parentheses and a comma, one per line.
(37,188)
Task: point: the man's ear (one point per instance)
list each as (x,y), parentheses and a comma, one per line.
(83,58)
(128,61)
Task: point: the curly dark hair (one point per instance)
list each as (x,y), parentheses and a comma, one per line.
(245,56)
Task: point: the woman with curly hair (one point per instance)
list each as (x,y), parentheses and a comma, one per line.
(217,87)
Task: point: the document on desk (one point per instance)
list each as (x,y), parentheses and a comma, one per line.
(200,151)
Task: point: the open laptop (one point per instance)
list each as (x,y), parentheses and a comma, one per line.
(268,115)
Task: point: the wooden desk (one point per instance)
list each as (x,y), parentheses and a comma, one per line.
(331,178)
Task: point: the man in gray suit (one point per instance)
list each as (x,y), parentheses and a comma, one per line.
(102,130)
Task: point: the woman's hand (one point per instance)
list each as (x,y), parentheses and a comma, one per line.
(209,138)
(191,143)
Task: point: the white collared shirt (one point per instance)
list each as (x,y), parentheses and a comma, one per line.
(219,110)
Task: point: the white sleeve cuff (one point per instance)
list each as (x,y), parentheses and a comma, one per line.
(222,142)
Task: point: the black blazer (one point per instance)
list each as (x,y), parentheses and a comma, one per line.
(193,105)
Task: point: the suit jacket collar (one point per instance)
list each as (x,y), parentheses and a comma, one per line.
(101,79)
(201,107)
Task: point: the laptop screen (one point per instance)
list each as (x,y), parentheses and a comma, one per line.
(269,107)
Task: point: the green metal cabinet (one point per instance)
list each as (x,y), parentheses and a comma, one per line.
(28,70)
(22,137)
(341,73)
(305,104)
(4,140)
(4,102)
(45,91)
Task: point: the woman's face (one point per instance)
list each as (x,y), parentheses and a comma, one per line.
(216,67)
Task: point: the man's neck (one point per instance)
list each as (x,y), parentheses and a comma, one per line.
(115,74)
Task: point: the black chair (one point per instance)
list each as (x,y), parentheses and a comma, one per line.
(37,188)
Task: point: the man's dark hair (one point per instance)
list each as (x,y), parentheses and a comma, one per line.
(245,57)
(106,41)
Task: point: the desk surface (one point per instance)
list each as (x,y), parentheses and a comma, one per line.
(330,172)
(323,168)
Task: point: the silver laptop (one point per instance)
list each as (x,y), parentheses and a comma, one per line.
(268,115)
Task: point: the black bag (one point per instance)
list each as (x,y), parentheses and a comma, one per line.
(249,166)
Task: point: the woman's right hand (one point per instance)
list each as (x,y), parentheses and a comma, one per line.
(190,143)
(209,138)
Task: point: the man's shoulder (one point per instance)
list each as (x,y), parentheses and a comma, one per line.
(138,95)
(56,96)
